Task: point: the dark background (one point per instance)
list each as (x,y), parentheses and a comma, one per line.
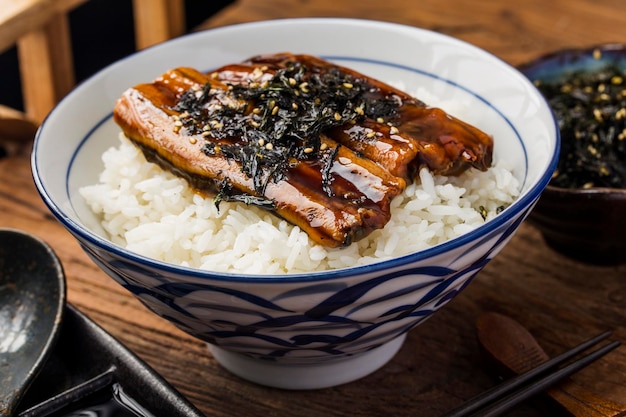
(102,32)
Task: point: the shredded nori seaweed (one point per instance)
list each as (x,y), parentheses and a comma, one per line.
(292,110)
(591,111)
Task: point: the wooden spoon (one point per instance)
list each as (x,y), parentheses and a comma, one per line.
(511,346)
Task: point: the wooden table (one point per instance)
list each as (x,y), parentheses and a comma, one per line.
(560,300)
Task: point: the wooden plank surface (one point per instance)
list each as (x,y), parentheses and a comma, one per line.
(560,300)
(512,31)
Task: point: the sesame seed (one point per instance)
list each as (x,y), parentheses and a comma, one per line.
(254,84)
(380,120)
(261,142)
(323,146)
(616,80)
(359,111)
(597,54)
(337,116)
(292,81)
(308,150)
(178,123)
(597,114)
(257,73)
(254,123)
(394,130)
(214,75)
(269,146)
(304,87)
(206,133)
(348,85)
(275,110)
(294,106)
(256,110)
(193,140)
(370,134)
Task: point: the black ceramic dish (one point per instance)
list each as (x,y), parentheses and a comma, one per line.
(90,373)
(586,224)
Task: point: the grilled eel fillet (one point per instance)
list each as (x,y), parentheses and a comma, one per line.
(231,134)
(423,136)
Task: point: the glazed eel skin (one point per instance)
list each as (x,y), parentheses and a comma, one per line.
(320,145)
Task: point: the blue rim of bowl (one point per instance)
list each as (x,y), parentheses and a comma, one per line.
(513,210)
(552,65)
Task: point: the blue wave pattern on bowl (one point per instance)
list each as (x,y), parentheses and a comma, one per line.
(305,321)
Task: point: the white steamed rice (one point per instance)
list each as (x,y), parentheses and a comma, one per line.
(154,213)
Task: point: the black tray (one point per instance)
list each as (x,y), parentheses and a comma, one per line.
(90,370)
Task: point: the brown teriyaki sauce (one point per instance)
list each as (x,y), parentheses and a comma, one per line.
(281,121)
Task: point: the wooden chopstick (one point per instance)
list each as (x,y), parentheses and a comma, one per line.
(503,397)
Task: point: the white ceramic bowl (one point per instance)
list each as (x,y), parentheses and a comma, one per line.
(320,329)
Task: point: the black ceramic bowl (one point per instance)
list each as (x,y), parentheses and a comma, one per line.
(586,222)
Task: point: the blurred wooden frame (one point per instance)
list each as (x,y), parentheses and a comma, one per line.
(40,29)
